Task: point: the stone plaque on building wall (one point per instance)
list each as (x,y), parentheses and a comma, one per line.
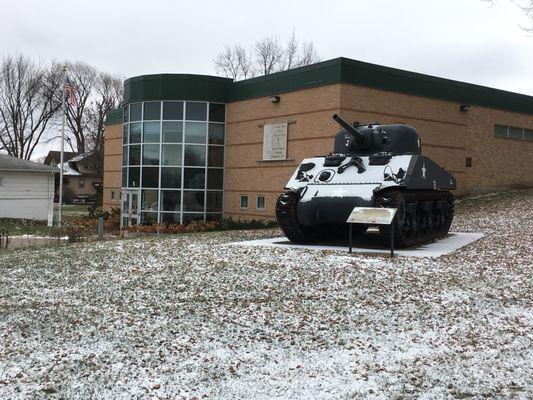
(275,141)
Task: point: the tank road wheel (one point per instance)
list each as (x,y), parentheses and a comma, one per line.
(286,216)
(422,216)
(448,213)
(403,221)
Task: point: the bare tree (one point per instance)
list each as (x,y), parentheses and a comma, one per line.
(265,57)
(269,55)
(28,104)
(82,78)
(108,95)
(226,63)
(308,54)
(95,94)
(291,52)
(244,62)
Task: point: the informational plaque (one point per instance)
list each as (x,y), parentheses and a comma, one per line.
(371,215)
(275,141)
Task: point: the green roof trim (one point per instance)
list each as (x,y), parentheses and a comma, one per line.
(176,87)
(315,75)
(338,70)
(397,80)
(114,117)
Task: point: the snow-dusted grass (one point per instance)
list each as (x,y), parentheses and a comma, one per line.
(190,316)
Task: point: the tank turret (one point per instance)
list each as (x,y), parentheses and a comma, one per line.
(371,165)
(375,138)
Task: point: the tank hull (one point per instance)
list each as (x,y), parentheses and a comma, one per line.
(329,211)
(315,209)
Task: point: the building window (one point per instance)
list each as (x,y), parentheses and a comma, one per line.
(260,202)
(244,201)
(513,132)
(112,195)
(81,183)
(175,149)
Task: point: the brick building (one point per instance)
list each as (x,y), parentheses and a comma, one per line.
(191,147)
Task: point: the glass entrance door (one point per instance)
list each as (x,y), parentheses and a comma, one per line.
(130,208)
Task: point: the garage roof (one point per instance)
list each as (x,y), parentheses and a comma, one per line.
(16,164)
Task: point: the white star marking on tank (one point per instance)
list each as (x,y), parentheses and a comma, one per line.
(424,171)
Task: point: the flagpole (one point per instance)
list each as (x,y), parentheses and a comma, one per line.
(63,88)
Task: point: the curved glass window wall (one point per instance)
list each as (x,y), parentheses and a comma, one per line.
(173,156)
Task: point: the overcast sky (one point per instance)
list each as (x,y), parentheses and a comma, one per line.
(467,40)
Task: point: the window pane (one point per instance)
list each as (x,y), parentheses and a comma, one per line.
(124,155)
(214,201)
(528,134)
(215,178)
(125,134)
(124,177)
(171,200)
(217,112)
(216,134)
(195,132)
(194,178)
(193,201)
(500,131)
(515,133)
(244,201)
(151,154)
(151,132)
(192,217)
(196,111)
(135,155)
(150,177)
(152,110)
(173,110)
(171,177)
(126,111)
(171,154)
(135,111)
(170,218)
(133,176)
(172,132)
(135,133)
(260,202)
(148,218)
(215,156)
(149,200)
(195,155)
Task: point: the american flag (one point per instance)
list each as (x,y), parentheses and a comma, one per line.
(70,91)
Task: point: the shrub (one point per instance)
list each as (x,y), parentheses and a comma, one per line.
(230,224)
(194,226)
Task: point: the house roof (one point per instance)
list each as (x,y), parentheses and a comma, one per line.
(69,169)
(9,163)
(54,155)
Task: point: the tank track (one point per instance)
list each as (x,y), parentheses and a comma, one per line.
(422,216)
(296,233)
(286,216)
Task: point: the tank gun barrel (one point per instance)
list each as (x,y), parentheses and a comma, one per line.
(349,128)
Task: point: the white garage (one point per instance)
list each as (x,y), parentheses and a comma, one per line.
(26,188)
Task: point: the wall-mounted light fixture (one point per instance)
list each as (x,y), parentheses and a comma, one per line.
(274,99)
(464,107)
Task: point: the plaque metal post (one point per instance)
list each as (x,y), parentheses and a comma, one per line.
(392,238)
(350,238)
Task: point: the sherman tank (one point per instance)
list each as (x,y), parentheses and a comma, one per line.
(372,165)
